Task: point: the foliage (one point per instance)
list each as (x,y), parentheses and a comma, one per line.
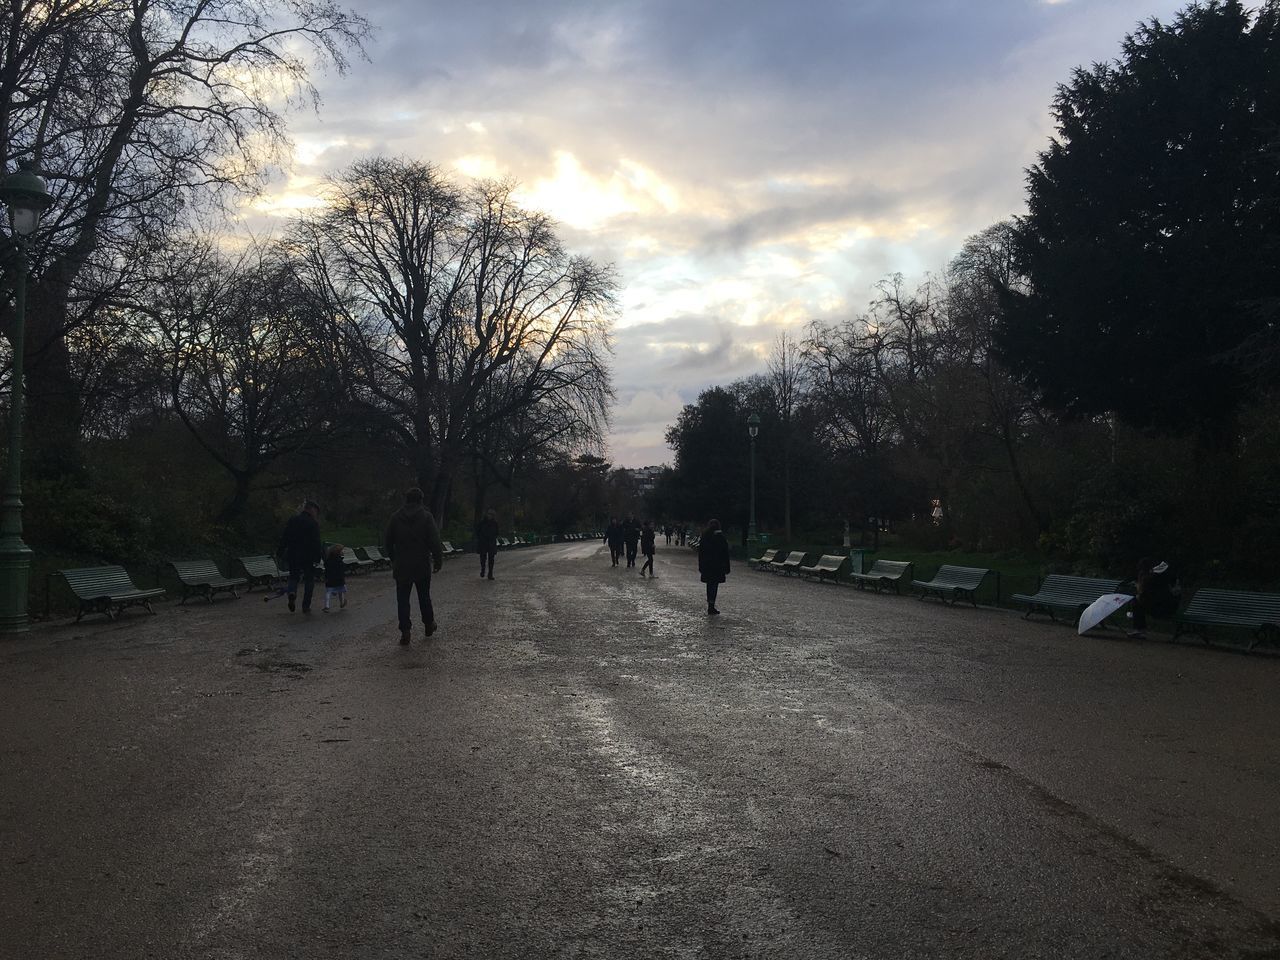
(1153,233)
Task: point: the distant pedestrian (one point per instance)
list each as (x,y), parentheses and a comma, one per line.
(413,544)
(631,534)
(713,562)
(667,530)
(301,550)
(647,538)
(614,537)
(487,541)
(335,576)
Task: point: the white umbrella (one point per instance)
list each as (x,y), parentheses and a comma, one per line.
(1100,609)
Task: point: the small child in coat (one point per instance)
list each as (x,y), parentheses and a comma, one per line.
(335,576)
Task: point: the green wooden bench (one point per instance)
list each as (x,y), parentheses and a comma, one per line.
(1069,594)
(449,550)
(884,573)
(951,583)
(795,559)
(827,567)
(261,570)
(779,559)
(1231,608)
(374,556)
(353,562)
(107,590)
(767,557)
(202,577)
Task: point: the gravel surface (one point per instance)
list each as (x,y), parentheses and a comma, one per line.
(581,763)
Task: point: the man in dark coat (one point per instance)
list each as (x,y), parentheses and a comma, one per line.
(413,544)
(713,562)
(613,536)
(487,541)
(631,534)
(301,550)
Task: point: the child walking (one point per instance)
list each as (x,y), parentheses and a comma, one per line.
(335,576)
(647,548)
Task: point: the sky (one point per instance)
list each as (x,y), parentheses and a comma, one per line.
(746,167)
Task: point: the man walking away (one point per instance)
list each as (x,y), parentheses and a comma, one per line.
(631,534)
(301,549)
(413,543)
(647,538)
(713,562)
(487,541)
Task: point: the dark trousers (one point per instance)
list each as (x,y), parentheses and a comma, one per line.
(648,563)
(631,555)
(712,590)
(308,575)
(424,601)
(614,553)
(487,556)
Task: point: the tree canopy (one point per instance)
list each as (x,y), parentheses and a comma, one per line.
(1150,245)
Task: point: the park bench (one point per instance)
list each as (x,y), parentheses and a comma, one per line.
(503,542)
(779,558)
(795,559)
(353,562)
(827,567)
(767,557)
(952,582)
(374,556)
(1070,594)
(1232,608)
(884,573)
(449,550)
(203,578)
(261,570)
(107,590)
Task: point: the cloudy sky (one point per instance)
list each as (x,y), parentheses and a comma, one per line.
(746,165)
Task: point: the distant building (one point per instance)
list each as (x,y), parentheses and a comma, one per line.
(644,478)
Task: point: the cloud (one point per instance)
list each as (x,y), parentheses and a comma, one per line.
(747,165)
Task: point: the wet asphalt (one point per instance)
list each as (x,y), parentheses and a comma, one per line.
(581,763)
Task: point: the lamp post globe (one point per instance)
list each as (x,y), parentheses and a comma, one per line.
(25,198)
(753,430)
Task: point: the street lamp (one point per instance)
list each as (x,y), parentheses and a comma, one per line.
(753,428)
(25,198)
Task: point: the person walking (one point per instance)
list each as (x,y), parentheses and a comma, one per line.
(335,576)
(631,534)
(647,539)
(301,550)
(713,563)
(667,531)
(613,536)
(413,544)
(487,541)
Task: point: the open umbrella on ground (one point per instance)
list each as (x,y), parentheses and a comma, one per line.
(1100,609)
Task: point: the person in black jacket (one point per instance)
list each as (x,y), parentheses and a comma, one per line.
(647,539)
(631,534)
(713,562)
(613,536)
(301,550)
(487,541)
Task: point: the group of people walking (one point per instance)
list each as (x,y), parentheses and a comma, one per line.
(412,542)
(625,538)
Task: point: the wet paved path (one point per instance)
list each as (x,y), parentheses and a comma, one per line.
(581,764)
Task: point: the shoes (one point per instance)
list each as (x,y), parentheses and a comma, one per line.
(431,628)
(324,609)
(481,574)
(292,605)
(491,576)
(306,610)
(342,601)
(404,638)
(712,612)
(1136,635)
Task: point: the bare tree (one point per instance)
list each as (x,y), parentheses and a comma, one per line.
(786,378)
(137,110)
(456,308)
(243,354)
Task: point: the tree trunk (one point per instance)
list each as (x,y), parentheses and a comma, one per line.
(234,508)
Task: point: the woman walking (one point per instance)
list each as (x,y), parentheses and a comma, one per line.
(713,562)
(647,538)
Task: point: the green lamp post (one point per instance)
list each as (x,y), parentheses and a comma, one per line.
(25,198)
(753,428)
